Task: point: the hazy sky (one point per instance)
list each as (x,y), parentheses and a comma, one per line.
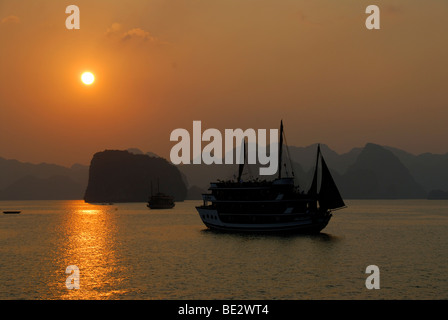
(160,64)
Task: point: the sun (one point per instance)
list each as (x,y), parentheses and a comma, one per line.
(87,78)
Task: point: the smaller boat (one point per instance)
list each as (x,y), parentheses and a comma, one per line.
(11,212)
(160,200)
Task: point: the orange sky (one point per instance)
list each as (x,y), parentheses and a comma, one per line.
(161,64)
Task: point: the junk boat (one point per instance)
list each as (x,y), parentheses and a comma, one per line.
(272,206)
(160,200)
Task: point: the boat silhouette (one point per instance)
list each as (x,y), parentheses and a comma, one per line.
(160,200)
(272,206)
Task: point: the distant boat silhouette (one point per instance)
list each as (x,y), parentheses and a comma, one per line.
(271,206)
(160,200)
(11,212)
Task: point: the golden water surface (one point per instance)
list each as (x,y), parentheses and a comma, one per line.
(126,251)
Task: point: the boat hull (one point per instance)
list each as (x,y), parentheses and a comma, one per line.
(305,225)
(160,206)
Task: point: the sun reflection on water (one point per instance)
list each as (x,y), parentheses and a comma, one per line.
(90,244)
(89,211)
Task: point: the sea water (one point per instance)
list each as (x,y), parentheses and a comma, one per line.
(127,251)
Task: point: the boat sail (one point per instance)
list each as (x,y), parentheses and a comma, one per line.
(328,196)
(271,206)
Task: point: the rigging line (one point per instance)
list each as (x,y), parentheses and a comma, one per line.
(289,155)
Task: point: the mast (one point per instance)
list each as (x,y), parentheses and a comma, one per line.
(280,151)
(313,188)
(241,167)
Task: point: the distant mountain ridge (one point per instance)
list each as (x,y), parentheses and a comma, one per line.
(378,174)
(27,181)
(430,170)
(52,188)
(372,171)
